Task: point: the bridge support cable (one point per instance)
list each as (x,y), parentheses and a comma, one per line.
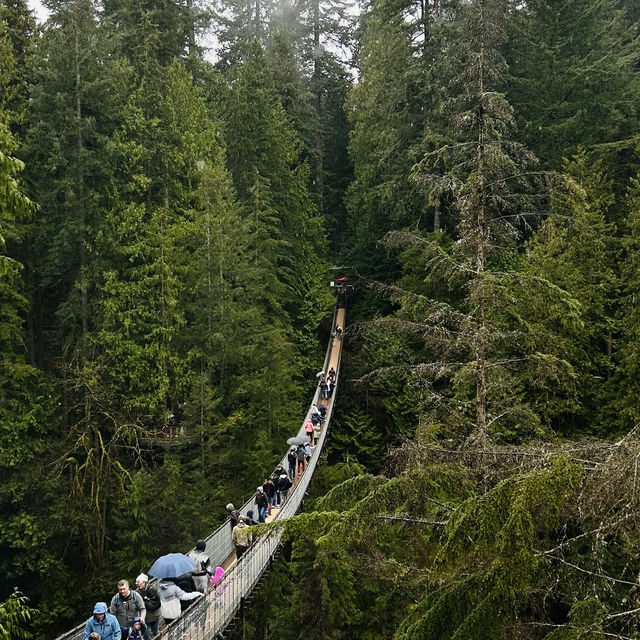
(207,618)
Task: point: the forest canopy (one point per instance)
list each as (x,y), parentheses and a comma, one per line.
(169,219)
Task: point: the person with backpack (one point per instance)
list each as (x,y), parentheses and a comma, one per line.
(324,389)
(137,630)
(125,605)
(300,459)
(202,570)
(242,537)
(234,515)
(316,415)
(274,478)
(151,599)
(317,429)
(308,428)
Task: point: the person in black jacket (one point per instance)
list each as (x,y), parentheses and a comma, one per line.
(151,599)
(262,503)
(274,478)
(269,491)
(291,459)
(234,515)
(284,484)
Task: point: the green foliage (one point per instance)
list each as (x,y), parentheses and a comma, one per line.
(15,617)
(625,407)
(383,109)
(576,250)
(178,260)
(571,90)
(356,438)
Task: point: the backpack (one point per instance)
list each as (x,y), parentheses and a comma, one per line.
(151,598)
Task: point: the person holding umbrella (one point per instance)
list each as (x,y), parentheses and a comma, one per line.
(167,568)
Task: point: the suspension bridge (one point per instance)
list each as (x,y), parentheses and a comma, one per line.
(214,612)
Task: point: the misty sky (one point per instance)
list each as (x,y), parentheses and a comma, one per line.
(40,11)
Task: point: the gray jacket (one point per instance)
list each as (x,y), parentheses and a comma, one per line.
(125,608)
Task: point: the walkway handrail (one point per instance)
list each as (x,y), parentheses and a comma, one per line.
(211,614)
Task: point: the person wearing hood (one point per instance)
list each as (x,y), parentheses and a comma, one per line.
(137,630)
(203,566)
(103,623)
(170,597)
(220,586)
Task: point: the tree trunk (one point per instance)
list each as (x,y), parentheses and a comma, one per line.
(191,26)
(84,312)
(319,182)
(480,337)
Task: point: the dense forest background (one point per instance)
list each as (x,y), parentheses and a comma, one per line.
(168,220)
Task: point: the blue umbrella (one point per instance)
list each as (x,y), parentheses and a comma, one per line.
(172,565)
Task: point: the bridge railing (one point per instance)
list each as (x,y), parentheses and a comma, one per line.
(212,613)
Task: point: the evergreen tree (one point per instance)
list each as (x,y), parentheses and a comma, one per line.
(625,409)
(27,419)
(573,79)
(72,107)
(575,249)
(19,29)
(393,111)
(263,153)
(489,348)
(156,31)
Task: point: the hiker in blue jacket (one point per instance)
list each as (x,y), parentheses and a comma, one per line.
(103,623)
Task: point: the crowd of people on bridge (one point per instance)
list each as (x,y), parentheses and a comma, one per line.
(138,614)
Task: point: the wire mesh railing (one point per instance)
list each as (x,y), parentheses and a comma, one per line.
(212,613)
